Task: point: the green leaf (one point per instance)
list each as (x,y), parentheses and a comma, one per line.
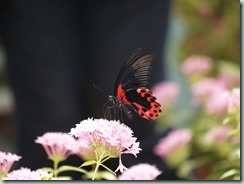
(87,163)
(99,175)
(234,132)
(229,173)
(185,169)
(107,175)
(227,120)
(65,168)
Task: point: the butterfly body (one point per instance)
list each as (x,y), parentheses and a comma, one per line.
(131,90)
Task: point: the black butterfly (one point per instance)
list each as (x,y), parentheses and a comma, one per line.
(130,90)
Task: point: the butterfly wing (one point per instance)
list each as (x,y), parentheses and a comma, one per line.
(130,86)
(135,71)
(143,102)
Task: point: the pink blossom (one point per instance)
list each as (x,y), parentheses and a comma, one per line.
(234,99)
(172,142)
(140,172)
(110,137)
(217,134)
(83,150)
(228,79)
(217,104)
(27,174)
(207,87)
(166,92)
(6,162)
(58,145)
(223,102)
(196,65)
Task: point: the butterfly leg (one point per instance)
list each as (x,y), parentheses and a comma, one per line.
(107,114)
(105,110)
(116,113)
(121,115)
(109,110)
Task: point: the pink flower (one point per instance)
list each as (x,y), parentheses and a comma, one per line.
(196,65)
(6,162)
(58,145)
(165,92)
(228,79)
(140,172)
(234,99)
(217,104)
(207,87)
(217,134)
(27,174)
(174,140)
(83,150)
(223,102)
(109,137)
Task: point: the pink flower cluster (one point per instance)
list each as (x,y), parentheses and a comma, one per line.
(110,137)
(6,162)
(196,65)
(141,171)
(228,80)
(234,99)
(223,102)
(215,95)
(172,142)
(206,88)
(58,145)
(217,104)
(217,134)
(165,92)
(27,174)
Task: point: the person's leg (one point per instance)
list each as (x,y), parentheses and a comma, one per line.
(113,30)
(44,55)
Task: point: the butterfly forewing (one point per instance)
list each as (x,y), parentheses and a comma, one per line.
(130,86)
(136,71)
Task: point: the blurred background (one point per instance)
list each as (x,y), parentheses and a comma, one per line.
(196,28)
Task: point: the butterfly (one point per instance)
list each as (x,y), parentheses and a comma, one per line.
(130,90)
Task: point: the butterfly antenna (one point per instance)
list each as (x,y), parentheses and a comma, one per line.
(100,89)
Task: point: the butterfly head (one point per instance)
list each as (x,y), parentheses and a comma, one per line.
(112,99)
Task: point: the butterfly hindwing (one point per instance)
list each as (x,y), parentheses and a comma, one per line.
(143,102)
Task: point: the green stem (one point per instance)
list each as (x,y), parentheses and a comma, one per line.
(105,159)
(2,175)
(99,161)
(55,167)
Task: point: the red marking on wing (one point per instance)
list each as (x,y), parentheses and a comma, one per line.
(149,114)
(155,108)
(121,95)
